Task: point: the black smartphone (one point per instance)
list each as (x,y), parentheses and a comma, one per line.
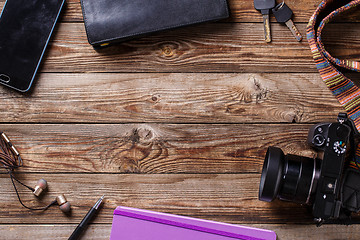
(25,29)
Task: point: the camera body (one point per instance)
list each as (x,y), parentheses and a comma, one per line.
(328,184)
(332,139)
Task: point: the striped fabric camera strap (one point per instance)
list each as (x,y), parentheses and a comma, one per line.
(342,87)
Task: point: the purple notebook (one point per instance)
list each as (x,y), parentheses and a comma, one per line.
(137,224)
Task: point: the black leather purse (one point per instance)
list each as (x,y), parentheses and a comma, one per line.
(108,21)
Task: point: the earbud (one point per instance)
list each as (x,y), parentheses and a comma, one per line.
(40,187)
(63,203)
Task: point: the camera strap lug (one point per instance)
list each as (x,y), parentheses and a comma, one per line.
(318,222)
(342,117)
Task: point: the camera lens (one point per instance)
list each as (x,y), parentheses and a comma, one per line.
(288,177)
(271,174)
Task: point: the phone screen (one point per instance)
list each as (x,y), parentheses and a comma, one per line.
(25,29)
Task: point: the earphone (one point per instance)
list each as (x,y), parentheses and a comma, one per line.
(10,160)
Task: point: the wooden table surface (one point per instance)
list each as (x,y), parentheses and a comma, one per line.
(177,122)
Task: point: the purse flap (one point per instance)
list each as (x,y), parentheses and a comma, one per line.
(108,20)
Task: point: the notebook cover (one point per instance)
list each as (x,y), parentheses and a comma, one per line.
(118,20)
(137,224)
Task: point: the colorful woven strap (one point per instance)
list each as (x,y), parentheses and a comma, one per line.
(342,87)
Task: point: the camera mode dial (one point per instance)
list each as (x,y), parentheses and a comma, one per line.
(339,147)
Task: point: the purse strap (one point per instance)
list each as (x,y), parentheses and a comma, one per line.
(347,93)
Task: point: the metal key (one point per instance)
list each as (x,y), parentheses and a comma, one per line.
(264,7)
(283,14)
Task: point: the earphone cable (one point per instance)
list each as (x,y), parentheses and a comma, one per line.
(18,196)
(30,188)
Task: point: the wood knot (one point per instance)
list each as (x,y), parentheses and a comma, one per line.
(145,134)
(155,98)
(142,134)
(167,51)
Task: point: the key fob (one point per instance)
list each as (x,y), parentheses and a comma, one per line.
(282,12)
(264,4)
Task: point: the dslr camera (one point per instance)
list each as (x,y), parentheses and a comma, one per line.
(330,185)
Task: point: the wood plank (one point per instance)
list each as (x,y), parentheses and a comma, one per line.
(213,47)
(216,47)
(172,97)
(153,148)
(102,231)
(241,11)
(52,232)
(231,198)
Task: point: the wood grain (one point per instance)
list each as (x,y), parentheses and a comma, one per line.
(213,47)
(102,231)
(172,97)
(153,148)
(176,122)
(241,11)
(229,198)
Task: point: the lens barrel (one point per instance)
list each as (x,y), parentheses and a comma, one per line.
(271,174)
(288,177)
